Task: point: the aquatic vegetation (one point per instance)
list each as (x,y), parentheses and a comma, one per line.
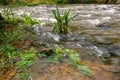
(25,2)
(10,36)
(29,21)
(27,60)
(24,76)
(12,54)
(62,56)
(77,63)
(10,32)
(9,17)
(62,24)
(59,55)
(11,57)
(8,54)
(21,3)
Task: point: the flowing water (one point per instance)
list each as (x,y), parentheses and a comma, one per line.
(94,33)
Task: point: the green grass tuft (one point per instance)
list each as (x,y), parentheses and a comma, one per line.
(62,24)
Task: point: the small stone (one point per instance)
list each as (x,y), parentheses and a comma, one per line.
(102,39)
(47,51)
(115,61)
(115,53)
(112,68)
(36,43)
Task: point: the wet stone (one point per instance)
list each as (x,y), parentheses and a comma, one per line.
(115,53)
(37,43)
(105,52)
(115,61)
(103,25)
(111,68)
(47,51)
(107,39)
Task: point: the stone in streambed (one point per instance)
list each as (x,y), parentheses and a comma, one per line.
(47,51)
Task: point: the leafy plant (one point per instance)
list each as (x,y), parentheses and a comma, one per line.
(10,36)
(25,76)
(11,57)
(8,55)
(9,16)
(26,59)
(29,21)
(74,59)
(20,3)
(56,55)
(8,50)
(61,26)
(59,1)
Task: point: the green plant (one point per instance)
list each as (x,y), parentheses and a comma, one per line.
(27,60)
(8,50)
(11,57)
(74,59)
(56,55)
(61,26)
(9,16)
(25,76)
(8,55)
(21,3)
(58,1)
(9,33)
(29,21)
(10,36)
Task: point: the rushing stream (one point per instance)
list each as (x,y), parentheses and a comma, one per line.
(95,31)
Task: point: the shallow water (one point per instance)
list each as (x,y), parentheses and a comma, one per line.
(96,26)
(94,33)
